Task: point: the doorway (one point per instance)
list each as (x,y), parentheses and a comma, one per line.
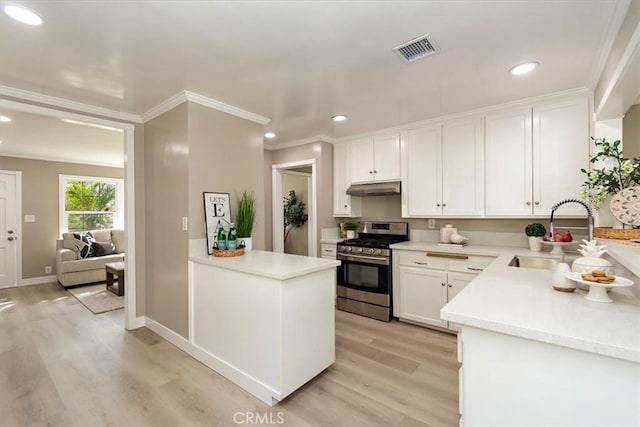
(296,240)
(10,231)
(130,315)
(294,168)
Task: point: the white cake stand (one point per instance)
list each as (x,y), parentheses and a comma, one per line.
(557,247)
(598,291)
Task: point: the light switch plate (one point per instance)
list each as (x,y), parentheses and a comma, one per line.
(431,223)
(185,223)
(29,218)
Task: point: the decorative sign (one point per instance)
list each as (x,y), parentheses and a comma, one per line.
(216,211)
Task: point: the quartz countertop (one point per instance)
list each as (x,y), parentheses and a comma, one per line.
(331,240)
(521,302)
(269,264)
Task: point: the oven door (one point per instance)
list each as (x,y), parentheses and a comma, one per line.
(364,276)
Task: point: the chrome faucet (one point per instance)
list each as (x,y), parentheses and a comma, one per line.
(580,202)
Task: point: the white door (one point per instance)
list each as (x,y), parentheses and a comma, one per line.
(560,150)
(386,157)
(423,293)
(463,167)
(422,172)
(361,159)
(8,230)
(508,170)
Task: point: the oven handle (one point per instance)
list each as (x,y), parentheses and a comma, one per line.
(372,259)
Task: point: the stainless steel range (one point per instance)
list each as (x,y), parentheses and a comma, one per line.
(364,275)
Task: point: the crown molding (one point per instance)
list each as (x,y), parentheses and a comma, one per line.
(26,95)
(186,95)
(46,158)
(310,140)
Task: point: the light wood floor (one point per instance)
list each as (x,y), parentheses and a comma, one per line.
(61,365)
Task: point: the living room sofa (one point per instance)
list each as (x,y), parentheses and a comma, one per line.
(72,269)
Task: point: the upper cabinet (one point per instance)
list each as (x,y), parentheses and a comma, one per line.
(443,169)
(343,204)
(375,158)
(534,156)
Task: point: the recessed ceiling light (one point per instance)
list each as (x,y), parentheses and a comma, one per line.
(270,135)
(525,68)
(339,118)
(77,122)
(5,119)
(22,14)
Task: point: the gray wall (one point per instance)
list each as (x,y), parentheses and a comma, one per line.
(323,153)
(631,132)
(188,150)
(40,198)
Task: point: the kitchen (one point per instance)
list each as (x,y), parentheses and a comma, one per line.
(177,166)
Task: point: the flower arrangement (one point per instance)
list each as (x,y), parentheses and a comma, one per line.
(601,182)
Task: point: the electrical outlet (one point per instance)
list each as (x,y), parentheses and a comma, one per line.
(431,223)
(47,269)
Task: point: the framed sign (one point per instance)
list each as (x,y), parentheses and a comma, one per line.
(216,211)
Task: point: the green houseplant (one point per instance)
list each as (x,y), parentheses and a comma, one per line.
(245,216)
(351,228)
(535,232)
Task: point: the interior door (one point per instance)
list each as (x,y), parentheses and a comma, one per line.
(8,232)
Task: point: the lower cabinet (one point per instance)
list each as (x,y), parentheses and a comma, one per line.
(425,282)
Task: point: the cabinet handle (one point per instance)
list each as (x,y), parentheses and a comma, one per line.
(370,172)
(528,203)
(327,250)
(447,255)
(474,269)
(451,286)
(345,206)
(421,263)
(444,205)
(438,205)
(375,171)
(537,203)
(443,284)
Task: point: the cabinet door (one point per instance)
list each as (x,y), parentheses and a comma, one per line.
(560,150)
(422,172)
(386,156)
(456,282)
(463,167)
(361,163)
(423,293)
(508,169)
(343,204)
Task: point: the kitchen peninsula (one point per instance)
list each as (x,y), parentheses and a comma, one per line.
(263,320)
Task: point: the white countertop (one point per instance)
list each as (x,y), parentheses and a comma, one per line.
(268,264)
(627,255)
(521,302)
(331,240)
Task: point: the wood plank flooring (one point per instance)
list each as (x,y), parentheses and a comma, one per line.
(61,365)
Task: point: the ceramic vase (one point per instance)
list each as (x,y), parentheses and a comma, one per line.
(351,234)
(559,281)
(248,243)
(535,243)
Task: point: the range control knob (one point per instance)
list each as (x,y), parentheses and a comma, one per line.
(378,251)
(349,249)
(370,251)
(359,250)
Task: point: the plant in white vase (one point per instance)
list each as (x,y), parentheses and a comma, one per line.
(535,232)
(617,174)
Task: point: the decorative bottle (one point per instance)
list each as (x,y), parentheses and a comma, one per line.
(221,240)
(232,238)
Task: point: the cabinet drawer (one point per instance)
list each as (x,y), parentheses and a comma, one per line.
(474,264)
(328,250)
(420,259)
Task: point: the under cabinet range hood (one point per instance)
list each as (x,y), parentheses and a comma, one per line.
(374,189)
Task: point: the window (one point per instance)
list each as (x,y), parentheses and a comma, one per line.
(90,203)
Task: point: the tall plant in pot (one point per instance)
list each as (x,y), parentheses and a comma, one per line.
(535,232)
(245,217)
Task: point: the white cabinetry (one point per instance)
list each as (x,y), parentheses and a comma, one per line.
(443,169)
(343,204)
(424,282)
(534,156)
(328,250)
(375,158)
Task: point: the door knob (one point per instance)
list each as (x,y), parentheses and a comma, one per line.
(10,231)
(10,239)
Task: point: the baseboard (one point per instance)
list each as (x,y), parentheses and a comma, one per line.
(38,280)
(174,338)
(139,322)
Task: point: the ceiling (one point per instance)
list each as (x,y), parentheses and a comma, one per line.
(300,62)
(47,138)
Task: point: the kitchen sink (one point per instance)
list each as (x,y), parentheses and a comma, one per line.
(534,262)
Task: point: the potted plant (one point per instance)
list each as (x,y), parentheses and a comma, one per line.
(245,216)
(351,228)
(535,232)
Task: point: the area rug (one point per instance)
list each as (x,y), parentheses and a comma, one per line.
(97,299)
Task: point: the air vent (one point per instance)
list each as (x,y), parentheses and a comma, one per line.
(415,49)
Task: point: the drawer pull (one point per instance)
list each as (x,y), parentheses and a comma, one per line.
(421,263)
(447,255)
(475,269)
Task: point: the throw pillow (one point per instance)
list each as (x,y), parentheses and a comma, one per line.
(103,248)
(84,243)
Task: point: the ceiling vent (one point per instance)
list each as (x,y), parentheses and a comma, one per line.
(415,49)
